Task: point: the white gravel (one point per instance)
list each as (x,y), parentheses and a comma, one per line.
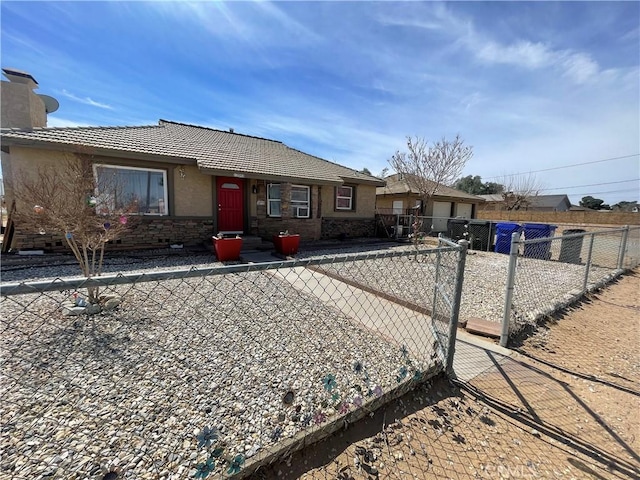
(19,269)
(542,287)
(130,390)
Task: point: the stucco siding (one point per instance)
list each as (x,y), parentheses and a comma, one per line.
(365,202)
(192,192)
(26,163)
(384,203)
(21,108)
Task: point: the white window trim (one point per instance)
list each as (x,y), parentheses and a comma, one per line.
(125,167)
(296,208)
(270,200)
(350,198)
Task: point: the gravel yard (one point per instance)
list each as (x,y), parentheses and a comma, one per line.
(187,377)
(18,269)
(541,286)
(206,374)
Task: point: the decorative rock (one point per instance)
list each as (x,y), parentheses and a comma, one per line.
(93,308)
(73,311)
(183,366)
(111,304)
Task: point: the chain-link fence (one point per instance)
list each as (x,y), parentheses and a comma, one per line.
(214,372)
(547,274)
(479,233)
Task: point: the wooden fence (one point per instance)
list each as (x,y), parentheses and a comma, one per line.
(560,218)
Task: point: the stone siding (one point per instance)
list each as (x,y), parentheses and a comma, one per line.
(145,232)
(351,227)
(266,227)
(307,228)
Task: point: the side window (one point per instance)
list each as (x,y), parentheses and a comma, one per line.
(300,201)
(344,198)
(273,200)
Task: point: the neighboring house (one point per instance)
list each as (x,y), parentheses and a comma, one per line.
(579,208)
(539,203)
(398,197)
(494,201)
(192,182)
(549,203)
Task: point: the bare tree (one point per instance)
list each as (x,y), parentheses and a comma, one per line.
(519,190)
(66,200)
(425,168)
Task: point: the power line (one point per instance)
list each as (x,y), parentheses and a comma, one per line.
(610,191)
(590,185)
(564,166)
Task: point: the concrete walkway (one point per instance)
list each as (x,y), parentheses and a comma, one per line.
(398,324)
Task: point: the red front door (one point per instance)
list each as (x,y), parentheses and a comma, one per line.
(230,204)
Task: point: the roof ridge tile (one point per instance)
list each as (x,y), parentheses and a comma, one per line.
(202,127)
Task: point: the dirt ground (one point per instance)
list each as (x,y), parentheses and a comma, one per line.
(566,406)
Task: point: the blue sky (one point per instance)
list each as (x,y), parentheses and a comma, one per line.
(531,86)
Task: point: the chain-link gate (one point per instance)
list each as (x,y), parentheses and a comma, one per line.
(548,274)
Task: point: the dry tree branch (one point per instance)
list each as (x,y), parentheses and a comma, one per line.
(519,190)
(425,168)
(65,199)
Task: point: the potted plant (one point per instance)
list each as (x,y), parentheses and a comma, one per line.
(286,243)
(227,248)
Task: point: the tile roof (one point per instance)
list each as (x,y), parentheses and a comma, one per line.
(549,201)
(396,186)
(493,197)
(539,201)
(216,151)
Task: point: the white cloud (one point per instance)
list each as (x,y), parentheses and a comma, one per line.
(523,54)
(579,67)
(59,122)
(86,100)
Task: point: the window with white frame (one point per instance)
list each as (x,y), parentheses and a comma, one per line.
(273,200)
(136,190)
(300,200)
(344,198)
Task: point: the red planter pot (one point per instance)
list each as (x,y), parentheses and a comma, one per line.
(227,248)
(287,244)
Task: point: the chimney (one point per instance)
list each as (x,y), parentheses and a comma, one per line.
(21,107)
(230,130)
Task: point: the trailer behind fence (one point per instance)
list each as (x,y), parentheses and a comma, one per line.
(547,274)
(217,371)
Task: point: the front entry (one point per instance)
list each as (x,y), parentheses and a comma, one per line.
(230,204)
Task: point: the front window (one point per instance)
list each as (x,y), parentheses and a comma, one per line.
(344,198)
(273,200)
(135,190)
(300,196)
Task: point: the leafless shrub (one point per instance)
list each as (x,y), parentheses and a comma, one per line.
(519,190)
(425,168)
(67,200)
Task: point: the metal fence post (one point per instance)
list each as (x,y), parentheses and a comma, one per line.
(588,264)
(435,281)
(457,297)
(623,247)
(508,293)
(397,225)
